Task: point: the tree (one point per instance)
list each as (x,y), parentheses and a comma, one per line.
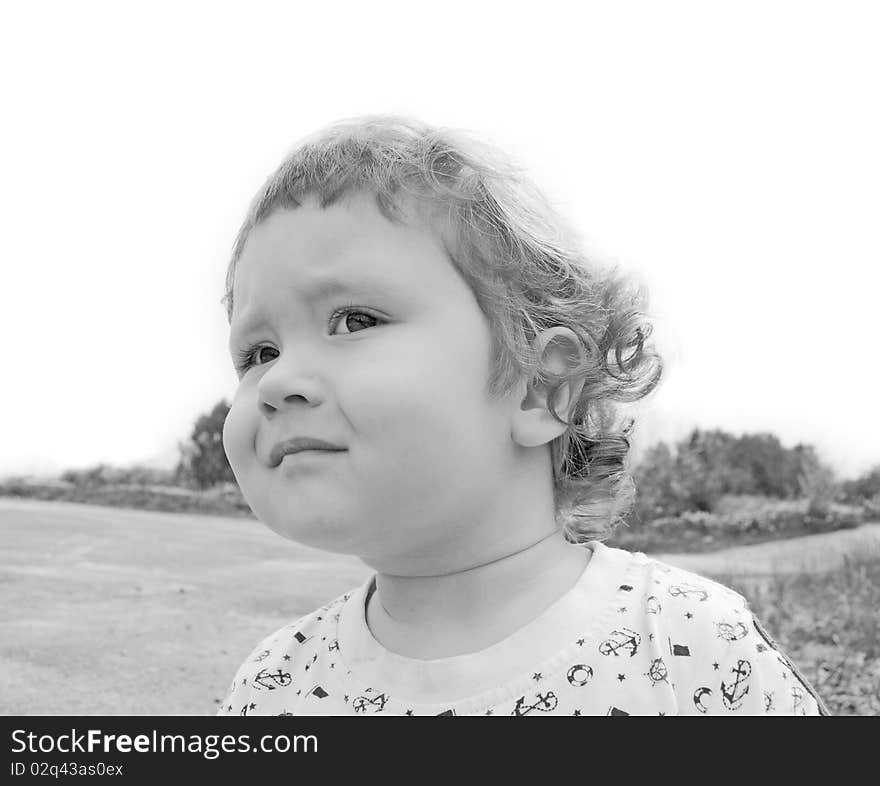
(707,464)
(657,491)
(865,487)
(203,461)
(817,483)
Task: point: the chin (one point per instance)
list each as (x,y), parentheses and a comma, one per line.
(316,533)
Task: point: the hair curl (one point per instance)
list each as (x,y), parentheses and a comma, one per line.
(527,272)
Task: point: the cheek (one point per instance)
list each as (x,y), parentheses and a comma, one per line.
(421,410)
(237,435)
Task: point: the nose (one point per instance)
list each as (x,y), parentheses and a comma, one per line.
(285,384)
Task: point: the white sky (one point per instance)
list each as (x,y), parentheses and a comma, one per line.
(725,153)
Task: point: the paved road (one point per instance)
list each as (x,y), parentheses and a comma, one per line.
(813,553)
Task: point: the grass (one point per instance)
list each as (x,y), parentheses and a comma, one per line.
(692,541)
(828,624)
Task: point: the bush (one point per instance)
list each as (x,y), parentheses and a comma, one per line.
(779,519)
(105,474)
(864,488)
(818,486)
(871,507)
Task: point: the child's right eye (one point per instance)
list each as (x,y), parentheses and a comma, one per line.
(246,357)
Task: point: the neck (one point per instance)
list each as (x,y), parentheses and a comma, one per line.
(436,616)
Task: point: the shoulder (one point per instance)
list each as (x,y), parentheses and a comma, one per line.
(720,658)
(690,593)
(666,590)
(697,619)
(267,669)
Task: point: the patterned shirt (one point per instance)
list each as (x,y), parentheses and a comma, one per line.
(634,636)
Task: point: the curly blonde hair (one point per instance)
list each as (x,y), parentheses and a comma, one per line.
(527,272)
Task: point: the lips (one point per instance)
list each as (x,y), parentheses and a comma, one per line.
(296,445)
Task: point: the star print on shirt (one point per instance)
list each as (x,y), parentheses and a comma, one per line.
(621,677)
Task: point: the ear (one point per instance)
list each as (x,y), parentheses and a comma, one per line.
(533,424)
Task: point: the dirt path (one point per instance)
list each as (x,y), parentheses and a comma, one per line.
(123,612)
(110,611)
(813,553)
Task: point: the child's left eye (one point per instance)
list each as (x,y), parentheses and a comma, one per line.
(246,356)
(353,310)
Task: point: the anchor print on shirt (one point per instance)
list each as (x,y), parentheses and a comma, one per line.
(546,702)
(688,592)
(733,693)
(622,639)
(271,680)
(731,631)
(366,704)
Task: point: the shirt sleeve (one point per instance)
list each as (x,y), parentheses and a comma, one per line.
(240,692)
(784,690)
(744,672)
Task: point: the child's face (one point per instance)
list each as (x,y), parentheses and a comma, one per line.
(399,382)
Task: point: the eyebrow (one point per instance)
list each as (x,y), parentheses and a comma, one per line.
(320,287)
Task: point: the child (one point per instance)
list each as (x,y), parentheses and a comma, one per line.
(448,364)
